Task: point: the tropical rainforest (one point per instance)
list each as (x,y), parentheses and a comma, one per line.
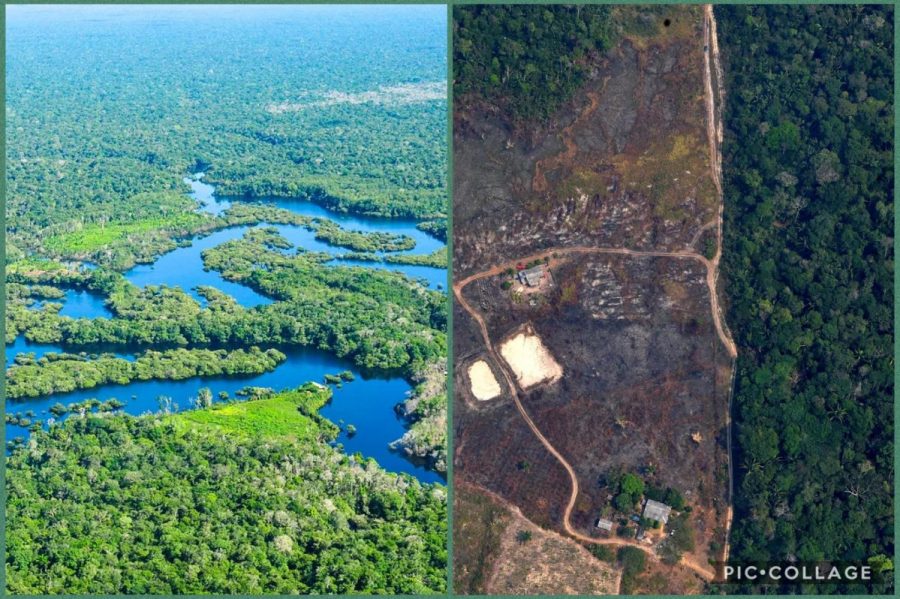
(243,497)
(808,264)
(58,373)
(525,57)
(372,143)
(382,320)
(322,132)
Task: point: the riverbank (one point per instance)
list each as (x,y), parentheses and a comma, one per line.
(184,290)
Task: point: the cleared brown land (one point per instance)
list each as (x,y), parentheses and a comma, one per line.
(507,563)
(529,359)
(484,383)
(619,192)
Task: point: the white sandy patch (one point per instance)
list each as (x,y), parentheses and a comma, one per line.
(483,383)
(529,359)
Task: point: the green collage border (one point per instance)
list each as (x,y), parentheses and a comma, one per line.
(450,4)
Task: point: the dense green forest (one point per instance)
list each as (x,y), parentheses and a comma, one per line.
(266,102)
(59,373)
(527,58)
(121,242)
(808,264)
(380,319)
(109,109)
(437,227)
(244,497)
(436,259)
(426,410)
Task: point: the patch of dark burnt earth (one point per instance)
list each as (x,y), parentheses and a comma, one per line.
(491,140)
(466,334)
(498,214)
(604,288)
(495,449)
(619,110)
(641,362)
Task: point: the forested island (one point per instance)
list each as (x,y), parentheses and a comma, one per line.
(226,323)
(808,266)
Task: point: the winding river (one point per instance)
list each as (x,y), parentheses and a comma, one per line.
(366,403)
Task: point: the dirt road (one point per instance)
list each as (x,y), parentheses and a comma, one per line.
(710,62)
(714,130)
(514,393)
(711,266)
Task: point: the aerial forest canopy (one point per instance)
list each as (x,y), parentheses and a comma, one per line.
(244,497)
(808,264)
(526,58)
(108,146)
(127,276)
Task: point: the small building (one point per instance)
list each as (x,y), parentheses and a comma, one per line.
(657,511)
(604,524)
(532,276)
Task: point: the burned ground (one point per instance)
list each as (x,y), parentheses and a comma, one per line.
(600,172)
(623,166)
(644,371)
(513,556)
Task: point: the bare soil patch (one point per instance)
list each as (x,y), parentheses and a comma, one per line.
(530,360)
(484,384)
(624,165)
(498,559)
(547,564)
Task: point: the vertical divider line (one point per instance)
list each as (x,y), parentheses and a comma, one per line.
(449,286)
(3,303)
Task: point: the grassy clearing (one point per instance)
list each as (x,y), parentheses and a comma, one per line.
(675,168)
(582,181)
(33,265)
(96,236)
(287,415)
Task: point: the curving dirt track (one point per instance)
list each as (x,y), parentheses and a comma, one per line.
(513,389)
(714,134)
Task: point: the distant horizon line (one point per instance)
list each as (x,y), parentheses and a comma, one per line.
(19,11)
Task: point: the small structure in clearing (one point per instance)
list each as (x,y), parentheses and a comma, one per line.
(532,277)
(529,359)
(604,524)
(655,510)
(483,383)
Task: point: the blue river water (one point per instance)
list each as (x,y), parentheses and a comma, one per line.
(183,267)
(366,403)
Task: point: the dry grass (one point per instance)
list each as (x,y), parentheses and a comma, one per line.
(660,579)
(546,564)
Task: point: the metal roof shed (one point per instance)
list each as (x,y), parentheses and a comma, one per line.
(655,510)
(604,524)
